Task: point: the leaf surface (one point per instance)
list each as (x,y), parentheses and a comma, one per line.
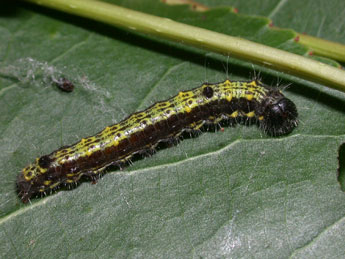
(236,193)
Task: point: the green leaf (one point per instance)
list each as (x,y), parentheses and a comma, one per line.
(236,193)
(162,27)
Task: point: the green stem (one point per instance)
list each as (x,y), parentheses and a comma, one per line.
(323,47)
(201,38)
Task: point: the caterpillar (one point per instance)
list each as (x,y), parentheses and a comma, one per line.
(165,120)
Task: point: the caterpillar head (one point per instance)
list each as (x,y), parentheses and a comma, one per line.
(279,114)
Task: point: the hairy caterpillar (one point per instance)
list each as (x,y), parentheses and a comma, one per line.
(188,110)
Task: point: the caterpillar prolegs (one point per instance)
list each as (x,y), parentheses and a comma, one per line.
(188,110)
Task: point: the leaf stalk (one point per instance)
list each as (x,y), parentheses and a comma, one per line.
(201,38)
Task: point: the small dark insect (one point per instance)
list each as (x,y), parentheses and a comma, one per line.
(64,84)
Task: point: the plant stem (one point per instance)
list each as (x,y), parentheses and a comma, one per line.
(323,47)
(201,38)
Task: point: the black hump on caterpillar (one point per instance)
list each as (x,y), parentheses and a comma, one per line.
(280,114)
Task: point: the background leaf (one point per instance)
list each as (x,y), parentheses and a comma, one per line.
(235,193)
